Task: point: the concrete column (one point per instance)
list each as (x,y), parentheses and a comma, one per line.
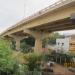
(17,40)
(38,41)
(46,34)
(17,44)
(38,35)
(38,45)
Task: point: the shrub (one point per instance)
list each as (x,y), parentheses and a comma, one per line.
(60,58)
(6,62)
(25,48)
(33,61)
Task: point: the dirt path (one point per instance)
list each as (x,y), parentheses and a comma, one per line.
(58,69)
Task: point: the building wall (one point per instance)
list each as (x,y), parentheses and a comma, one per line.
(62,44)
(72,45)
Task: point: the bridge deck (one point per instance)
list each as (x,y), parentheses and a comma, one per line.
(26,23)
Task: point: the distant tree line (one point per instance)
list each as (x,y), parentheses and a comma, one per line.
(52,39)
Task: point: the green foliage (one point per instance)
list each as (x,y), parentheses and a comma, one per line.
(6,62)
(60,58)
(29,41)
(33,60)
(25,48)
(52,39)
(13,45)
(20,69)
(27,44)
(8,65)
(72,54)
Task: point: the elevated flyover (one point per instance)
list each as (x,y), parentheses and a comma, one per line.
(56,17)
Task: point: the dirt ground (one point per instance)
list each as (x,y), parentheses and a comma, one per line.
(58,69)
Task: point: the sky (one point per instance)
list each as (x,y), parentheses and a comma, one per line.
(12,11)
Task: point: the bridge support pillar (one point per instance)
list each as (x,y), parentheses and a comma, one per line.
(38,41)
(38,35)
(17,39)
(17,43)
(38,44)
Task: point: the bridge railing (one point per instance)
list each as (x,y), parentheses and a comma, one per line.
(48,8)
(55,4)
(60,2)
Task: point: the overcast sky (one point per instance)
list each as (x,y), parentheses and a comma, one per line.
(12,11)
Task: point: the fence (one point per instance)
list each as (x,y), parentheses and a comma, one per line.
(60,2)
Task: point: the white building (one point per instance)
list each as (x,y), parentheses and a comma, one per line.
(62,44)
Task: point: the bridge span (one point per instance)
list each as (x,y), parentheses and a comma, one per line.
(56,17)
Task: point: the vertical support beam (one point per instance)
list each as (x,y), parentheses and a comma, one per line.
(38,45)
(17,44)
(38,35)
(38,41)
(17,40)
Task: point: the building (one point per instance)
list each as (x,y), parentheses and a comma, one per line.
(72,44)
(62,44)
(65,44)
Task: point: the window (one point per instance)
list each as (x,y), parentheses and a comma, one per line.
(62,44)
(58,43)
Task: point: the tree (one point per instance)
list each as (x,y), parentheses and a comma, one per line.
(6,62)
(29,41)
(33,61)
(52,39)
(27,44)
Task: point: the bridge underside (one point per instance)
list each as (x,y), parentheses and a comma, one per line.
(41,31)
(39,26)
(59,25)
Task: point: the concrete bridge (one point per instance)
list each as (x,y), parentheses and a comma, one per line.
(56,17)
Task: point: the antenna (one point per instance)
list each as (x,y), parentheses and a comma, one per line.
(24,9)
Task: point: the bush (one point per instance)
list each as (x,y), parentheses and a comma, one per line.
(59,58)
(27,44)
(20,69)
(33,61)
(6,62)
(8,65)
(25,48)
